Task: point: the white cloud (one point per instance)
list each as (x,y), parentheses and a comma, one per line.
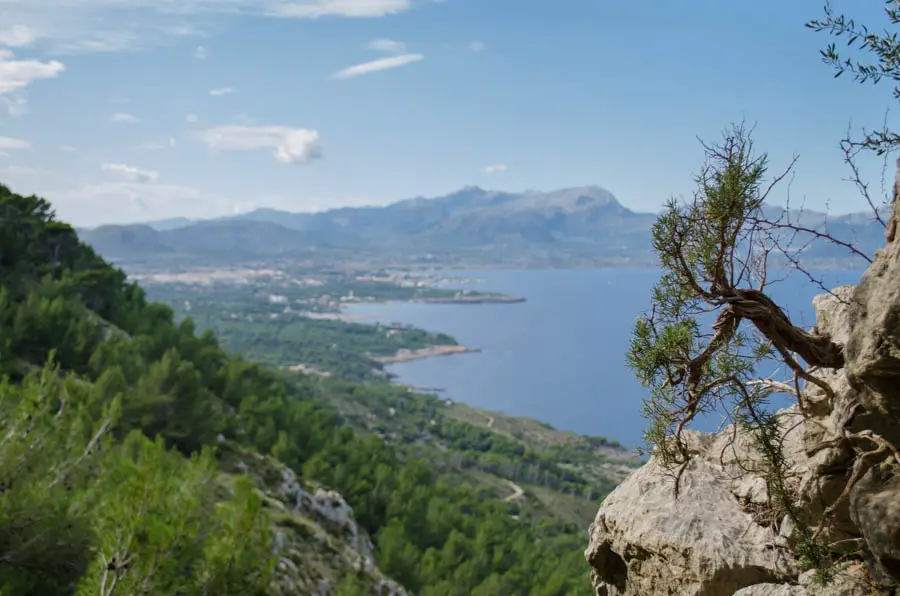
(495,168)
(313,9)
(377,66)
(388,45)
(476,46)
(220,92)
(16,104)
(130,173)
(124,118)
(291,145)
(201,53)
(192,118)
(22,171)
(68,148)
(125,201)
(76,26)
(17,36)
(172,141)
(18,74)
(7,143)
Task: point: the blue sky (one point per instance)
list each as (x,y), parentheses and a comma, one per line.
(130,110)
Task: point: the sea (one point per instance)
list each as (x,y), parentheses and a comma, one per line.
(559,356)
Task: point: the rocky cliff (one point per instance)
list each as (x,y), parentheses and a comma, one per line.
(721,536)
(319,545)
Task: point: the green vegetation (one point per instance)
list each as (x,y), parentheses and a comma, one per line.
(348,350)
(454,438)
(120,430)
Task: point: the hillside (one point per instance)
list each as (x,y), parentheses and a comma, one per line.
(473,224)
(583,226)
(141,457)
(563,475)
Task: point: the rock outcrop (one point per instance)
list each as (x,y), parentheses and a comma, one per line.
(721,534)
(317,541)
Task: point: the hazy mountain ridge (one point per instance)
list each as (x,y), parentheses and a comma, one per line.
(583,225)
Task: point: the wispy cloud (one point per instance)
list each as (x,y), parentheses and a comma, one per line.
(191,118)
(17,36)
(126,201)
(221,91)
(130,173)
(23,171)
(388,45)
(201,53)
(496,168)
(313,9)
(15,74)
(76,26)
(68,148)
(476,46)
(124,118)
(16,104)
(8,143)
(291,145)
(377,66)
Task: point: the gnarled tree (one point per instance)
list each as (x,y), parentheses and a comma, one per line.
(714,254)
(714,327)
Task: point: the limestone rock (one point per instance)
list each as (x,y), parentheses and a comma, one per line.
(316,537)
(718,538)
(873,348)
(850,581)
(704,542)
(772,590)
(875,508)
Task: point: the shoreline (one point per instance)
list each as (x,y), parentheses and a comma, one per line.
(405,355)
(500,299)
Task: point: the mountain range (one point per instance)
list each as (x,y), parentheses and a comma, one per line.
(580,226)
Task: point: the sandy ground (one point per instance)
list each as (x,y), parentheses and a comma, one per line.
(407,355)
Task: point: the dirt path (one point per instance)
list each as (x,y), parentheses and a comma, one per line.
(490,422)
(518,493)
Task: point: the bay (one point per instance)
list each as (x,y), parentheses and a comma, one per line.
(558,357)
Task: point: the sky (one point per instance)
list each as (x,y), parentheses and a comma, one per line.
(136,110)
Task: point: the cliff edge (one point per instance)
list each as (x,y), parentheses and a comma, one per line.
(721,535)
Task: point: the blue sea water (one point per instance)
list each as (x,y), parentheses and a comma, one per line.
(559,356)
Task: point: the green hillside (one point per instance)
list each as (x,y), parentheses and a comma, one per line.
(139,457)
(568,474)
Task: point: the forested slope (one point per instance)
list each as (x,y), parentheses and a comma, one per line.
(137,457)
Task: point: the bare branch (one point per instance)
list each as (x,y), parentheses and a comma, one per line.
(766,223)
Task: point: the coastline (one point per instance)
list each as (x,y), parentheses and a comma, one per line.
(498,299)
(405,355)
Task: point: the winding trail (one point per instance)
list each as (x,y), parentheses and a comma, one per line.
(518,493)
